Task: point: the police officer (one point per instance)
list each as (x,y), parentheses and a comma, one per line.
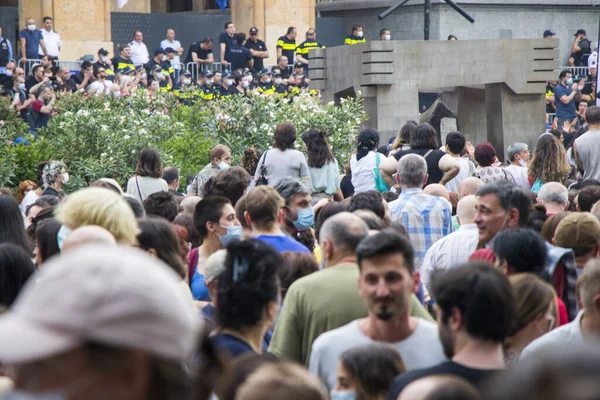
(227,86)
(164,81)
(104,62)
(305,47)
(167,63)
(280,88)
(6,53)
(265,85)
(286,45)
(123,60)
(357,35)
(208,91)
(185,89)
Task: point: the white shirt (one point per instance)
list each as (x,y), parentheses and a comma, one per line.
(139,53)
(593,60)
(422,349)
(520,175)
(363,176)
(465,172)
(99,88)
(52,42)
(176,61)
(29,198)
(569,335)
(450,251)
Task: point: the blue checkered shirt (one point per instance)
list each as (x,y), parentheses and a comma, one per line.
(427,219)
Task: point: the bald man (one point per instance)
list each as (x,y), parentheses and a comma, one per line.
(188,204)
(554,196)
(455,248)
(469,186)
(435,189)
(87,235)
(440,387)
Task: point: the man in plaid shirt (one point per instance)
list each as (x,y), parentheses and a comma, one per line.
(427,218)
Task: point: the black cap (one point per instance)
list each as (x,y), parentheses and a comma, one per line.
(127,70)
(299,65)
(265,71)
(103,52)
(208,74)
(169,50)
(276,73)
(187,73)
(253,31)
(156,68)
(226,74)
(548,32)
(580,32)
(158,51)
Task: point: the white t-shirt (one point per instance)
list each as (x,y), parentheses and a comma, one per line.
(465,172)
(29,198)
(520,175)
(99,88)
(363,177)
(52,42)
(145,186)
(422,349)
(176,61)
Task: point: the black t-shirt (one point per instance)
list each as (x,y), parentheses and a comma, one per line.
(433,160)
(476,377)
(202,54)
(30,82)
(259,45)
(6,81)
(229,43)
(288,48)
(581,57)
(239,57)
(75,80)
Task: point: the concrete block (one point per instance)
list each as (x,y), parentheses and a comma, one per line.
(377,79)
(545,54)
(377,69)
(378,57)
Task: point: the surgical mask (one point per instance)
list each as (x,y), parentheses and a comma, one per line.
(223,165)
(268,80)
(278,81)
(31,27)
(249,78)
(569,81)
(360,34)
(245,84)
(187,81)
(22,86)
(144,75)
(229,82)
(104,59)
(522,163)
(343,395)
(9,73)
(209,83)
(164,58)
(388,37)
(160,75)
(65,178)
(62,234)
(306,219)
(233,232)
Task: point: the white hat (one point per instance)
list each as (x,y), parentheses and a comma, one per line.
(116,296)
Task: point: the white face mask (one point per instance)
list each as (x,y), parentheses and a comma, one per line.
(65,178)
(160,75)
(522,162)
(360,34)
(388,37)
(249,78)
(104,59)
(278,81)
(268,80)
(144,76)
(187,81)
(209,83)
(31,27)
(245,84)
(9,73)
(229,82)
(22,86)
(164,58)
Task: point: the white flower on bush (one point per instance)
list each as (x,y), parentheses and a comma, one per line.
(83,113)
(104,127)
(126,137)
(103,155)
(143,132)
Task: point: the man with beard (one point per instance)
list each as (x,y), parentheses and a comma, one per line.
(386,282)
(475,313)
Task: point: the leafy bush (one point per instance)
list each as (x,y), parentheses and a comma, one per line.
(102,137)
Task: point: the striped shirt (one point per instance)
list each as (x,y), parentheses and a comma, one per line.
(427,219)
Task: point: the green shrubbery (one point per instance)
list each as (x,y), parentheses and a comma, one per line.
(102,137)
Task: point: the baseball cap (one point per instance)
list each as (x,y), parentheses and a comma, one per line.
(253,31)
(215,265)
(119,297)
(208,74)
(299,65)
(516,148)
(580,32)
(156,68)
(548,32)
(265,71)
(579,230)
(103,52)
(276,73)
(226,74)
(169,50)
(159,51)
(127,70)
(187,73)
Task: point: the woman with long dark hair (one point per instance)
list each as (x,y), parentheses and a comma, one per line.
(366,160)
(323,168)
(15,269)
(12,225)
(148,176)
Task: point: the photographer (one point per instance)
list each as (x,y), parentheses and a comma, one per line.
(83,78)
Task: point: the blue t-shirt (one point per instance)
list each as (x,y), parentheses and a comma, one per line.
(564,111)
(283,243)
(239,56)
(199,289)
(229,43)
(32,42)
(236,346)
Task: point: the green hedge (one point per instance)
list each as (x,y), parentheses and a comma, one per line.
(102,137)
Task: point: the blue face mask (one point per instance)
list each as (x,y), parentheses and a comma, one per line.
(233,232)
(306,219)
(22,395)
(62,234)
(223,165)
(343,395)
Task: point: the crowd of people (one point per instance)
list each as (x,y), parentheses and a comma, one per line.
(424,272)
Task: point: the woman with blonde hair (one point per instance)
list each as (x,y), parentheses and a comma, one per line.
(548,162)
(98,206)
(536,313)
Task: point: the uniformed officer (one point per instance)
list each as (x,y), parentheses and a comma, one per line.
(227,86)
(286,45)
(265,84)
(6,53)
(104,62)
(166,64)
(123,60)
(185,91)
(305,47)
(280,88)
(164,81)
(208,90)
(357,35)
(139,51)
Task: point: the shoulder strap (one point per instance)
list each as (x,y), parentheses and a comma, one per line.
(428,153)
(377,159)
(138,188)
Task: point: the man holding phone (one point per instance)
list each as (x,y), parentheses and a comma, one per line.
(566,93)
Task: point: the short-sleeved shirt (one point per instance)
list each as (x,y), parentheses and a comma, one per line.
(239,57)
(230,344)
(32,42)
(306,47)
(30,82)
(581,57)
(202,54)
(564,111)
(288,48)
(259,45)
(174,45)
(432,159)
(75,80)
(325,179)
(282,164)
(229,41)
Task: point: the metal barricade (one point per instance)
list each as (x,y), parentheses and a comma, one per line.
(74,66)
(27,65)
(577,71)
(194,69)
